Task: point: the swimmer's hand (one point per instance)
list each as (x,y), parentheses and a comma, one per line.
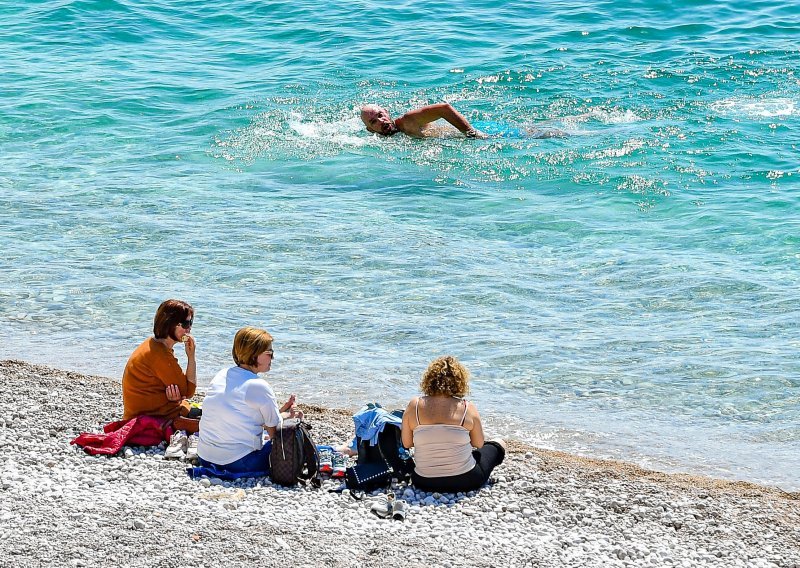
(475,134)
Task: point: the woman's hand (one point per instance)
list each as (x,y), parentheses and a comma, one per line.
(174,393)
(189,345)
(289,403)
(290,408)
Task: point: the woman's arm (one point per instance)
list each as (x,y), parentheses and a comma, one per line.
(476,432)
(258,395)
(407,430)
(289,409)
(165,368)
(191,366)
(289,404)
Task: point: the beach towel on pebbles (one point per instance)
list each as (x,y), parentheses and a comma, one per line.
(139,431)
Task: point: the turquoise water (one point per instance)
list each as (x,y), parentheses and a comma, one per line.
(630,291)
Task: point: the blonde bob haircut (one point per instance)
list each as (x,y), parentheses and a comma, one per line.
(249,343)
(445,376)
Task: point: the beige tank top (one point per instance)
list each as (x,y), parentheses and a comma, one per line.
(442,450)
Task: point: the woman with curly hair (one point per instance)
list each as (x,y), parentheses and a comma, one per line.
(450,454)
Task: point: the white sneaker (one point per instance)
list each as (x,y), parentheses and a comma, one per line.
(177,446)
(382,505)
(399,510)
(191,447)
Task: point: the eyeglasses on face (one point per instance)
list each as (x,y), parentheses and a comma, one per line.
(186,324)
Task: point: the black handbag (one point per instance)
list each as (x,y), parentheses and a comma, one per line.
(367,476)
(377,464)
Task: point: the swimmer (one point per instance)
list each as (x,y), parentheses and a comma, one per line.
(417,123)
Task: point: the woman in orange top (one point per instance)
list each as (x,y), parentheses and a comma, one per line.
(153,383)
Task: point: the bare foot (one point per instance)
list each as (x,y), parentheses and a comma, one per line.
(346,450)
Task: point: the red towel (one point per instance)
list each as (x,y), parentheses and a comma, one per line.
(139,431)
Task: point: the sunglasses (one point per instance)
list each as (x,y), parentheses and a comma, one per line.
(186,324)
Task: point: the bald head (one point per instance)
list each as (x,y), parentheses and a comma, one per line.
(377,120)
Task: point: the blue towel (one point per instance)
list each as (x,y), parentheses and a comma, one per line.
(371,420)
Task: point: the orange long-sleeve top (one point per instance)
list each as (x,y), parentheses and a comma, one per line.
(150,369)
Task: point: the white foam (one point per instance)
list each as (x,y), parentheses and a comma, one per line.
(755,108)
(627,148)
(614,116)
(342,132)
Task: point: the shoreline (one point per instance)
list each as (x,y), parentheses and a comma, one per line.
(544,508)
(524,432)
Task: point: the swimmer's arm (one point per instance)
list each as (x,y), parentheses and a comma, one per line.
(427,114)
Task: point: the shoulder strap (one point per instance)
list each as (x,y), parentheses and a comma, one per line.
(389,442)
(311,456)
(416,408)
(466,407)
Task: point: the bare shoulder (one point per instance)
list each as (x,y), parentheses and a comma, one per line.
(412,402)
(410,414)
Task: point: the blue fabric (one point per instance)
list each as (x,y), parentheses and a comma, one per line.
(371,420)
(254,464)
(498,129)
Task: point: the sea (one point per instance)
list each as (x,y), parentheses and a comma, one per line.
(630,290)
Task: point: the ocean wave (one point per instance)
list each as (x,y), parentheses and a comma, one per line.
(752,107)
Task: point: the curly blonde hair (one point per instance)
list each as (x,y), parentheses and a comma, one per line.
(445,376)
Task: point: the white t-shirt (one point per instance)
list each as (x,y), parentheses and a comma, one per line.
(237,406)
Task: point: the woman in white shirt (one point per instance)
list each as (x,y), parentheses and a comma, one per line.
(239,406)
(450,454)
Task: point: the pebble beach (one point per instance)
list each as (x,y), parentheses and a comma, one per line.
(60,506)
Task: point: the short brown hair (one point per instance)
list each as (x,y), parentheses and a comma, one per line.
(445,375)
(249,343)
(169,314)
